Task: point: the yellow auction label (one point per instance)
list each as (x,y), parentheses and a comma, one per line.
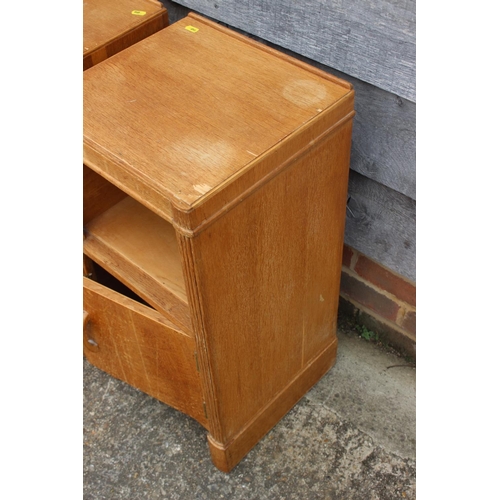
(192,29)
(139,12)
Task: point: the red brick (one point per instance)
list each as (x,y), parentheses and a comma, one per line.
(347,256)
(368,297)
(386,280)
(409,322)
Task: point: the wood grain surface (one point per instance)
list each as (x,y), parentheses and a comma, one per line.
(274,261)
(184,111)
(381,224)
(140,248)
(110,26)
(138,345)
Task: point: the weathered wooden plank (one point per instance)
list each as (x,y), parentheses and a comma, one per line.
(384,138)
(373,41)
(380,223)
(384,132)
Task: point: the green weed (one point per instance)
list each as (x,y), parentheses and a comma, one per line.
(367,334)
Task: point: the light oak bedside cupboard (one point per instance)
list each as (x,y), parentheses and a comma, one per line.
(110,26)
(215,184)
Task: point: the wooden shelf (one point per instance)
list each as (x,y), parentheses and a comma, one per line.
(140,249)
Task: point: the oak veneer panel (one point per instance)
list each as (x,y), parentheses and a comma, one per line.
(175,117)
(138,345)
(226,456)
(140,248)
(267,279)
(110,26)
(325,208)
(264,168)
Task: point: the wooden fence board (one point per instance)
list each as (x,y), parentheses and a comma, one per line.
(380,223)
(384,138)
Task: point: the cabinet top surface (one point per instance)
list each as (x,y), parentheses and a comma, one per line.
(104,20)
(192,106)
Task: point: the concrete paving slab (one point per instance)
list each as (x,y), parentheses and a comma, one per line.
(351,437)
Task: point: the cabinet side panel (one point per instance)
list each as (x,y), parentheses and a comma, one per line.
(267,277)
(328,175)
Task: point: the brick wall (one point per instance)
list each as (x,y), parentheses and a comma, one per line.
(384,302)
